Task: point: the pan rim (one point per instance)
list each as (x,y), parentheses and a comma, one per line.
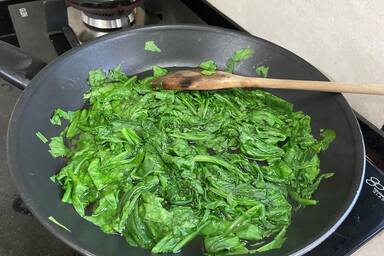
(29,91)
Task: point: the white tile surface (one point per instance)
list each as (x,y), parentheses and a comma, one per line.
(343,38)
(374,247)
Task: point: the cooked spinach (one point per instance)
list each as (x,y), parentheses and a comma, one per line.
(159,71)
(51,218)
(262,71)
(151,46)
(41,137)
(162,167)
(58,114)
(238,56)
(208,67)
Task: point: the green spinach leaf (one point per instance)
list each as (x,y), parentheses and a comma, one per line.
(151,47)
(238,56)
(262,71)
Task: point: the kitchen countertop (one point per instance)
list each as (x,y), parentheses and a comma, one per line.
(374,247)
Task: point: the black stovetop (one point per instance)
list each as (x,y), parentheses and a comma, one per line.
(22,234)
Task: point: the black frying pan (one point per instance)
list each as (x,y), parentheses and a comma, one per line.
(63,82)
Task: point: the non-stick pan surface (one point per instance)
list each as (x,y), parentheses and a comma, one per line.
(62,84)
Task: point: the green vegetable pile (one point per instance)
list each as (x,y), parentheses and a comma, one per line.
(163,167)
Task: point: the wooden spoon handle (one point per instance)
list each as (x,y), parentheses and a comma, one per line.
(252,82)
(194,80)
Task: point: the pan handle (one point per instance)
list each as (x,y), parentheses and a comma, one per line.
(16,66)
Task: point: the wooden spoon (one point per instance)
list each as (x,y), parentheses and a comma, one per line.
(194,80)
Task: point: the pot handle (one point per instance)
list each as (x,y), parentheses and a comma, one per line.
(16,66)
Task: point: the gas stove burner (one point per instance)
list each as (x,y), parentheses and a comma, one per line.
(106,14)
(107,21)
